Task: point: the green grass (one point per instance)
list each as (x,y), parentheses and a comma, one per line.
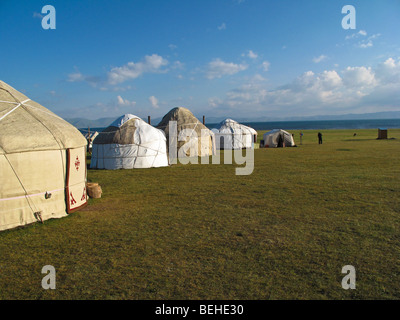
(201,232)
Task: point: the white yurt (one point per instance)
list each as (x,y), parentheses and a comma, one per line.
(232,135)
(129,143)
(42,162)
(193,137)
(278,138)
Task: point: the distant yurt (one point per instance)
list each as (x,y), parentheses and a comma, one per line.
(194,137)
(278,138)
(129,143)
(42,162)
(233,135)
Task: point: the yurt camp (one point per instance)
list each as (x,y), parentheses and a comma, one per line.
(232,135)
(193,137)
(42,162)
(129,143)
(277,138)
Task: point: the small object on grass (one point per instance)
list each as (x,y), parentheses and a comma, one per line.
(382,133)
(38,216)
(93,190)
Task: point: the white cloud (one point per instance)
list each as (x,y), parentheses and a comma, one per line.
(353,90)
(116,88)
(320,58)
(258,78)
(75,77)
(252,55)
(361,40)
(360,77)
(388,72)
(154,102)
(222,26)
(125,102)
(265,65)
(132,70)
(368,42)
(218,68)
(365,44)
(362,33)
(178,65)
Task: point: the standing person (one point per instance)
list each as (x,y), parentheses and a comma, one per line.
(319,138)
(280,141)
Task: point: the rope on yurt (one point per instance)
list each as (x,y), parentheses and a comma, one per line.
(158,150)
(26,109)
(35,212)
(13,109)
(60,147)
(58,143)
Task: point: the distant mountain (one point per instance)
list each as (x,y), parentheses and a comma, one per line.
(85,123)
(82,123)
(350,116)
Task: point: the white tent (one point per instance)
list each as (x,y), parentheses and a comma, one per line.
(42,162)
(233,135)
(128,143)
(278,138)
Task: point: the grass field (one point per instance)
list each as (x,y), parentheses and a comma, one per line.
(201,232)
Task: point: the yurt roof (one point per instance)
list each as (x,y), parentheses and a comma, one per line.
(184,118)
(232,125)
(123,131)
(273,131)
(25,125)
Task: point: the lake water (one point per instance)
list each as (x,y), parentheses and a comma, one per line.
(310,125)
(321,124)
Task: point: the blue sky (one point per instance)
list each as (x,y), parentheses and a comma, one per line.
(225,58)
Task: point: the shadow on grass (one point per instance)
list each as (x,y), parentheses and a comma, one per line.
(359,139)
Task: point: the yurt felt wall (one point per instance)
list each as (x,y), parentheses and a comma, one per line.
(42,162)
(128,143)
(192,135)
(233,135)
(272,138)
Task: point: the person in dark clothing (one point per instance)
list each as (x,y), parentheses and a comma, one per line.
(319,138)
(280,140)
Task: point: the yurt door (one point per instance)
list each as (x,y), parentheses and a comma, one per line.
(75,190)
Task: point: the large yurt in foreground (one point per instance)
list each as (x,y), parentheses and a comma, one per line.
(195,138)
(232,135)
(277,138)
(42,162)
(129,143)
